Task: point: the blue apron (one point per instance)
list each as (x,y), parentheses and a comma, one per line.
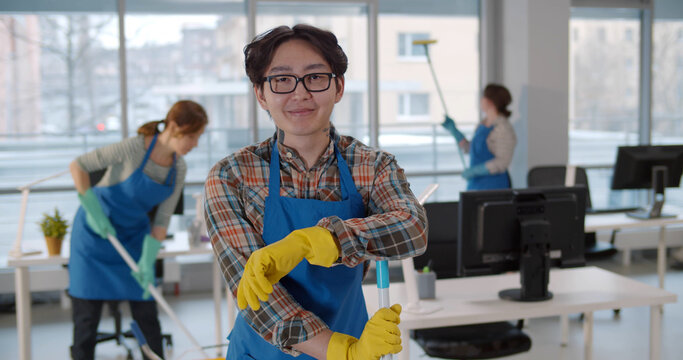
(96,270)
(334,294)
(480,154)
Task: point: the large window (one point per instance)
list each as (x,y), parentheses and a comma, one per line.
(603,83)
(61,96)
(667,82)
(197,57)
(60,90)
(410,107)
(58,98)
(667,85)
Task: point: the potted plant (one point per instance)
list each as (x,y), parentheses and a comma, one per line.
(54,228)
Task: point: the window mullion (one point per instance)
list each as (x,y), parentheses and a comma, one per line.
(645,98)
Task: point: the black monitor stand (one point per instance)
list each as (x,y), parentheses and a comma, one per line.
(659,176)
(534,262)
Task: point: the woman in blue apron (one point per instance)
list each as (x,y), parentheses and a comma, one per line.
(493,142)
(295,219)
(142,173)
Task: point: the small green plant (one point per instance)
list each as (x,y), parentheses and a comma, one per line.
(53,225)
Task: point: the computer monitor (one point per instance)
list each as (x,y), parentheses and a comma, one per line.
(648,167)
(521,229)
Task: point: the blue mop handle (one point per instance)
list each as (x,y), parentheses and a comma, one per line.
(138,333)
(383,288)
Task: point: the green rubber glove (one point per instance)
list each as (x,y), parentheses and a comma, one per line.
(267,265)
(449,125)
(477,170)
(145,273)
(94,215)
(381,336)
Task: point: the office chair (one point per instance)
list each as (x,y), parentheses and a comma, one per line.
(555,176)
(118,335)
(480,341)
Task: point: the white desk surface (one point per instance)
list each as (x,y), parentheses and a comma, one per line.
(177,246)
(595,222)
(475,300)
(618,221)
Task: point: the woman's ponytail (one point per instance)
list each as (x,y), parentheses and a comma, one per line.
(151,128)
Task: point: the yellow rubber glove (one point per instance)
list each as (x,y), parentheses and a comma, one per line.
(267,265)
(380,337)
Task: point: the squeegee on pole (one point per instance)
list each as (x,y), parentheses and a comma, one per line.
(426,44)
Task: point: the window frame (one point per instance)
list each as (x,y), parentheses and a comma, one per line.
(405,42)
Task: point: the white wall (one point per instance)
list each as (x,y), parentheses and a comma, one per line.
(533,54)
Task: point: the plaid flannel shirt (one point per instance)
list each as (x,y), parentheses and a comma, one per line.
(395,226)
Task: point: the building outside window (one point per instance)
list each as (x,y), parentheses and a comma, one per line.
(59,98)
(419,143)
(603,88)
(413,106)
(667,88)
(406,48)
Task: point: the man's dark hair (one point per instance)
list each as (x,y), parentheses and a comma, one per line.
(259,53)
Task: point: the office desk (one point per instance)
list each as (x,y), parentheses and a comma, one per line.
(178,246)
(475,300)
(618,221)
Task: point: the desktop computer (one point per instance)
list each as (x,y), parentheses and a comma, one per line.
(528,230)
(653,167)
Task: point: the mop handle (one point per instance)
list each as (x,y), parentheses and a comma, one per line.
(443,101)
(436,81)
(383,288)
(137,332)
(154,291)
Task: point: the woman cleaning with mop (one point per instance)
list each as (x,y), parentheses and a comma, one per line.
(307,193)
(142,172)
(494,140)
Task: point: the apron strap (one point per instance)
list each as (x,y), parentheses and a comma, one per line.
(274,177)
(345,178)
(170,178)
(149,151)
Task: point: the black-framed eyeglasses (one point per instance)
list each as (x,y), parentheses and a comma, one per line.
(313,82)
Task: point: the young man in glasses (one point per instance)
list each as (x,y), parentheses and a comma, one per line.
(295,220)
